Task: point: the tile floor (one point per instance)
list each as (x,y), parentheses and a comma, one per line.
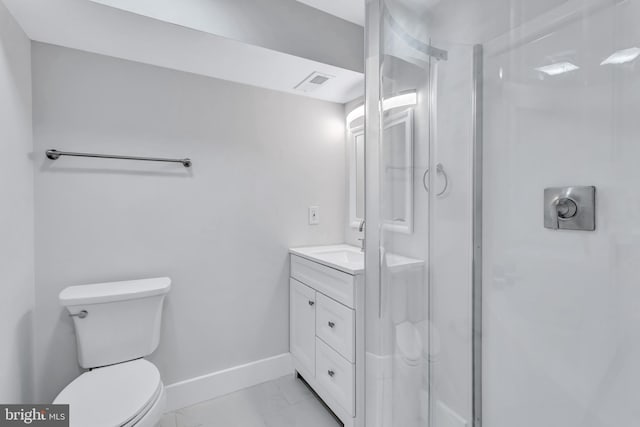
(285,402)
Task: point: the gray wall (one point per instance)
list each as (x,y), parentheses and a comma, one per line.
(220,230)
(16,212)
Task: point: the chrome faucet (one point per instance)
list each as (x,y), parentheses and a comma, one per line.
(362,240)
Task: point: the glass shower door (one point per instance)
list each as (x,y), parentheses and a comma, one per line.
(419,155)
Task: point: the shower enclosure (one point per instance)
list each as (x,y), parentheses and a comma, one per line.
(502,319)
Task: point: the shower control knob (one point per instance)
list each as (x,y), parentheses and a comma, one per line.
(566,207)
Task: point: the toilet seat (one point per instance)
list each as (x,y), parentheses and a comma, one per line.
(112,396)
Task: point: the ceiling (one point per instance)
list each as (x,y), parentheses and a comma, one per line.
(349,10)
(97,27)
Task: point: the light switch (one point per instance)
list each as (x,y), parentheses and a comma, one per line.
(314,215)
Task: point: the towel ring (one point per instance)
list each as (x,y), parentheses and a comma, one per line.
(440,170)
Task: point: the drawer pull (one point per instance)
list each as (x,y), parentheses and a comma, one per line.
(331,324)
(311,303)
(331,373)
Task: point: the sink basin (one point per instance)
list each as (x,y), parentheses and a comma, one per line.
(346,258)
(350,259)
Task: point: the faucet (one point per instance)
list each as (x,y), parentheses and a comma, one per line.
(362,240)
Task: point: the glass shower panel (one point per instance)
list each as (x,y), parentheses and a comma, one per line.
(513,97)
(561,329)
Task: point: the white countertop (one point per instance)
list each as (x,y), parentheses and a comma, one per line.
(350,259)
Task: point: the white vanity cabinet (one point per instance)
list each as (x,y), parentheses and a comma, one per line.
(327,333)
(303,325)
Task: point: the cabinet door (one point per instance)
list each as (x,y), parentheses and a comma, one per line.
(303,325)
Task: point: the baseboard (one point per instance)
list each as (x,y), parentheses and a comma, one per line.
(215,384)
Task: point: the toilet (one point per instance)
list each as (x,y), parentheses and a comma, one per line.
(117,324)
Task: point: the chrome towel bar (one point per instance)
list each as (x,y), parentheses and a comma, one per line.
(55,154)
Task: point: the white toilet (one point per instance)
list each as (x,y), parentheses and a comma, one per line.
(117,324)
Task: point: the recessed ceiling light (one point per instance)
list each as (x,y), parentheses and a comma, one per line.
(622,56)
(558,68)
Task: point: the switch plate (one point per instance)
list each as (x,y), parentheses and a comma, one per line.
(314,215)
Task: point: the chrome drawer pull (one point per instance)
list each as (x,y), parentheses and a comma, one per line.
(331,324)
(331,373)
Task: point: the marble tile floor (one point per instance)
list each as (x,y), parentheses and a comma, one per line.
(284,402)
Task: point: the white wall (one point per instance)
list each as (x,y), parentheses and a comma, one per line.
(16,212)
(220,230)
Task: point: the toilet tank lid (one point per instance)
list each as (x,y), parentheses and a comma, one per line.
(114,291)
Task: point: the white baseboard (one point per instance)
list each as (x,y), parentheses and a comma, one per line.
(216,384)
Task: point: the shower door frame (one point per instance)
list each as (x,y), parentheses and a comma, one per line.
(476,286)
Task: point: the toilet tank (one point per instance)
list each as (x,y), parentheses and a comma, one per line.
(116,321)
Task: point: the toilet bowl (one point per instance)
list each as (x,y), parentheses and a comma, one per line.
(125,394)
(117,324)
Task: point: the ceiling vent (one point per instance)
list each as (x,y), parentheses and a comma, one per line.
(313,81)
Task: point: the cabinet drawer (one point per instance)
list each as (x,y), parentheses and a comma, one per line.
(336,375)
(335,324)
(336,284)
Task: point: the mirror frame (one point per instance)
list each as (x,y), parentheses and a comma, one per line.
(354,132)
(406,117)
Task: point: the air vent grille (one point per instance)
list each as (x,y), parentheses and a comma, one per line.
(313,81)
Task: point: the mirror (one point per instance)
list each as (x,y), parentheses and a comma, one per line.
(356,168)
(397,178)
(397,161)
